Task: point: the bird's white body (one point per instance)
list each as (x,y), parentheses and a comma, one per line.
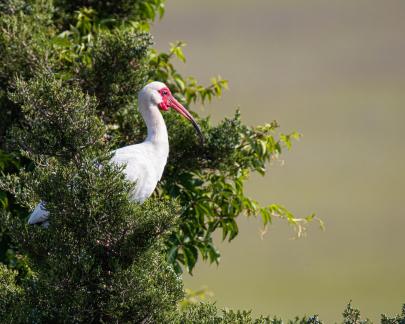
(144,165)
(145,162)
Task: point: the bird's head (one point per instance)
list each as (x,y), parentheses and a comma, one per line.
(159,95)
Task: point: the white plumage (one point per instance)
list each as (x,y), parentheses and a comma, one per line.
(144,162)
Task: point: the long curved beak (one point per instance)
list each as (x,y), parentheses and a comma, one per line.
(183,111)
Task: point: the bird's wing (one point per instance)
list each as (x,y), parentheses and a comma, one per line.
(39,215)
(133,159)
(139,168)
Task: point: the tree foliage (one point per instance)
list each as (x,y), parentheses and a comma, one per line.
(101,52)
(205,313)
(70,72)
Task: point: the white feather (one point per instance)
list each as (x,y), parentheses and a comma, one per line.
(144,165)
(39,215)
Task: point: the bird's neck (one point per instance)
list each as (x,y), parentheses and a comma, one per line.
(157,131)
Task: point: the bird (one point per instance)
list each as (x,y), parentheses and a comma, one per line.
(143,163)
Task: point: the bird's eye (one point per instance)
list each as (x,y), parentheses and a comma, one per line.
(164,92)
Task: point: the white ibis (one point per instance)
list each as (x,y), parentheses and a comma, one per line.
(144,162)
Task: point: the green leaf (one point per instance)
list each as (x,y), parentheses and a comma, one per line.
(172,254)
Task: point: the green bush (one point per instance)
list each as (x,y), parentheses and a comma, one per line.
(209,314)
(69,76)
(100,54)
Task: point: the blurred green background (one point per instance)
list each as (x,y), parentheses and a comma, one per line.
(335,71)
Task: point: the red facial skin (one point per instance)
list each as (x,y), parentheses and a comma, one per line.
(166,95)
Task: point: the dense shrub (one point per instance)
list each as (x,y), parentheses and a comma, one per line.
(69,75)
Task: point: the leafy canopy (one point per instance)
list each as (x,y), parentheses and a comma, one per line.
(103,50)
(69,75)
